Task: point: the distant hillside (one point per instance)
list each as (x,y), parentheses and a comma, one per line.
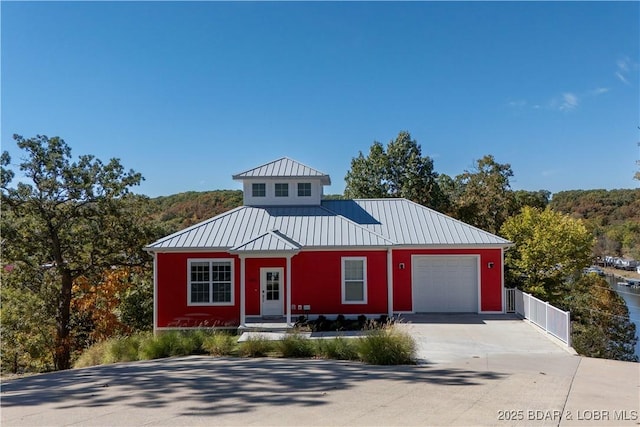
(181,210)
(613,215)
(184,209)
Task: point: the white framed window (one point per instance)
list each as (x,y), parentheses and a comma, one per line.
(259,190)
(304,189)
(282,190)
(354,280)
(210,281)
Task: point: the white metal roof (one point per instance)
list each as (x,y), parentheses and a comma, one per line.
(408,223)
(307,226)
(270,241)
(283,168)
(335,224)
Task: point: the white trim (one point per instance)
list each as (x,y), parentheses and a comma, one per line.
(331,248)
(243,298)
(288,285)
(504,306)
(389,282)
(264,254)
(478,276)
(231,262)
(364,279)
(155,293)
(263,270)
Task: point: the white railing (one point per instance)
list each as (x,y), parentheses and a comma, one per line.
(553,320)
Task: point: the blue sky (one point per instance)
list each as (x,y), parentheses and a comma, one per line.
(190,93)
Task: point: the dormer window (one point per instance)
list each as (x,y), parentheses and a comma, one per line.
(304,189)
(259,190)
(282,182)
(282,190)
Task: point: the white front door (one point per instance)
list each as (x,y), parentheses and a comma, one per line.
(271,286)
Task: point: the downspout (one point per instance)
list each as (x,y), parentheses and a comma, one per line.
(389,282)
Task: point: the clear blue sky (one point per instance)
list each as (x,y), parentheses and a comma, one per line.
(190,93)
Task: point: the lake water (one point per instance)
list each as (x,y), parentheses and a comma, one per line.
(632,298)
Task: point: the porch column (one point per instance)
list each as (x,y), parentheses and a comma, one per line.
(390,282)
(242,291)
(289,289)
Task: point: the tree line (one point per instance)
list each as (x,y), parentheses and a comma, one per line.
(74,273)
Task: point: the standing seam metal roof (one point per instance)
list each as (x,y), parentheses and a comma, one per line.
(283,168)
(336,223)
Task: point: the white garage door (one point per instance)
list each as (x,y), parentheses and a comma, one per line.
(445,284)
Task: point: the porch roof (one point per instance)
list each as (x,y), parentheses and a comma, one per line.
(270,241)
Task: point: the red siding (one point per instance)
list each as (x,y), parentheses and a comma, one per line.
(490,278)
(171,297)
(317,282)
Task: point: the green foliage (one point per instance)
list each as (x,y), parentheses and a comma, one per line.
(482,197)
(93,355)
(27,326)
(600,320)
(75,217)
(173,343)
(549,247)
(399,171)
(136,304)
(338,348)
(295,345)
(387,346)
(185,209)
(124,349)
(612,215)
(220,343)
(256,346)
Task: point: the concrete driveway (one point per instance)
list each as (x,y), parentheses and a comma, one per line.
(444,338)
(492,382)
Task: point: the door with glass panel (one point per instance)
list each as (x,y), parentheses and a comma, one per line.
(271,290)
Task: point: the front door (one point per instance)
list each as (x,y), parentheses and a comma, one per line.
(271,285)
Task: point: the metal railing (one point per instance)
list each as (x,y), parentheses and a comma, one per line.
(542,314)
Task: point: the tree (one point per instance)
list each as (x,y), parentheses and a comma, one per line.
(600,321)
(74,218)
(482,196)
(535,199)
(399,171)
(549,247)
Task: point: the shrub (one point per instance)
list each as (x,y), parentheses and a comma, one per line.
(125,349)
(169,344)
(295,345)
(338,348)
(387,346)
(220,343)
(92,356)
(256,346)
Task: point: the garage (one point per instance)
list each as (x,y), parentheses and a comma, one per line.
(445,284)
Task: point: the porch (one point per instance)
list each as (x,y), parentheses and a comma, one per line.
(265,324)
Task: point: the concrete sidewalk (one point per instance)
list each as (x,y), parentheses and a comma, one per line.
(474,370)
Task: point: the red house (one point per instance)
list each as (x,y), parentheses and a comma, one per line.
(286,252)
